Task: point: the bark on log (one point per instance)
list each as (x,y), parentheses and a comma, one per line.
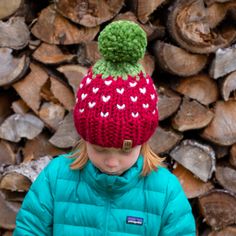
(5,106)
(7,153)
(232,158)
(196,157)
(199,87)
(218,208)
(191,115)
(52,28)
(182,64)
(20,107)
(228,231)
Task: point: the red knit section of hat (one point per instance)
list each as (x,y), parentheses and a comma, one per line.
(109,111)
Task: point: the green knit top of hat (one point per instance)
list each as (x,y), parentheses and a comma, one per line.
(122,44)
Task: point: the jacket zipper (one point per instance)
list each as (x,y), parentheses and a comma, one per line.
(108,207)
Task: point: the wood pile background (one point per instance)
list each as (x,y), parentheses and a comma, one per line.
(46,48)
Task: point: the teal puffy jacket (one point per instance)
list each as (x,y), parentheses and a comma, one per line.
(64,202)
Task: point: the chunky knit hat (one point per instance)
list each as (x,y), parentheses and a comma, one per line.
(116,103)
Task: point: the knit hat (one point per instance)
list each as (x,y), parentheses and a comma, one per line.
(116,103)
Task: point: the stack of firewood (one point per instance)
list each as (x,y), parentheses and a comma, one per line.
(47,47)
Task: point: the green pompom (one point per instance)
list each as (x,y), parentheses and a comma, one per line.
(122,41)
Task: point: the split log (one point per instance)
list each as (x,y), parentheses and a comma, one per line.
(88,53)
(143,9)
(188,23)
(199,87)
(228,86)
(8,233)
(220,151)
(52,54)
(7,153)
(164,140)
(74,75)
(8,8)
(232,158)
(222,129)
(53,28)
(191,115)
(224,62)
(14,33)
(19,126)
(29,88)
(52,114)
(8,213)
(20,107)
(11,68)
(38,147)
(193,187)
(228,231)
(148,63)
(168,102)
(218,208)
(226,176)
(66,135)
(182,63)
(89,13)
(196,157)
(62,92)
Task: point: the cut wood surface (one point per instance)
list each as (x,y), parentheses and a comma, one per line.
(189,25)
(7,153)
(20,107)
(182,64)
(224,62)
(227,231)
(7,8)
(226,176)
(52,28)
(19,126)
(89,13)
(232,158)
(14,33)
(11,69)
(218,208)
(196,157)
(193,187)
(51,54)
(222,129)
(164,140)
(168,102)
(191,115)
(228,86)
(199,87)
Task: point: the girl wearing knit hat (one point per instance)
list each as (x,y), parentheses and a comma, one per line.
(113,184)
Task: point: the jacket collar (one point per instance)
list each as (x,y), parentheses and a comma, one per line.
(112,184)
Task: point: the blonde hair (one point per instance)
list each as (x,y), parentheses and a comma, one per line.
(151,160)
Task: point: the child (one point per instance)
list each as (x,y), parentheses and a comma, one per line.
(113,184)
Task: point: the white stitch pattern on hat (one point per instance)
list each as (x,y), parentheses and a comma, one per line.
(147,81)
(84,95)
(81,85)
(91,104)
(132,84)
(120,107)
(104,114)
(135,115)
(145,106)
(152,96)
(134,99)
(95,90)
(81,110)
(108,82)
(120,91)
(88,81)
(106,98)
(154,112)
(142,90)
